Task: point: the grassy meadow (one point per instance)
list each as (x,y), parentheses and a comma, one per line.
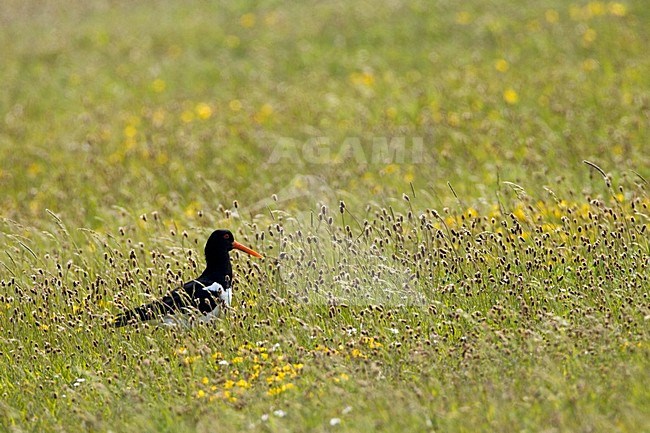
(451,198)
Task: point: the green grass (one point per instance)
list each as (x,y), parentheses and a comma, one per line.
(490,281)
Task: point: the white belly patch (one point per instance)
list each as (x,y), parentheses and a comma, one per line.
(224,295)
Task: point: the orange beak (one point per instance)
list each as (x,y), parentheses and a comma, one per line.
(241,247)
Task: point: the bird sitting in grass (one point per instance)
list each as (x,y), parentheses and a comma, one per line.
(205,297)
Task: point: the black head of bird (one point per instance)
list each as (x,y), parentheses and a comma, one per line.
(221,242)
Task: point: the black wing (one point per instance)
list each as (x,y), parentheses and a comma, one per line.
(193,295)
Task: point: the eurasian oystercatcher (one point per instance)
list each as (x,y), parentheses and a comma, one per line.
(206,296)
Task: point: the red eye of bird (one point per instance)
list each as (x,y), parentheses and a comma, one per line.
(226,236)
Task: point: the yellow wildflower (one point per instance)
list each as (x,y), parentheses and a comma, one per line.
(204,111)
(248,20)
(596,8)
(241,383)
(589,36)
(187,116)
(510,96)
(158,85)
(280,389)
(617,9)
(501,65)
(552,16)
(463,18)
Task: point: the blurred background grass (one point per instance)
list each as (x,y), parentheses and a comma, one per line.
(178,107)
(137,124)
